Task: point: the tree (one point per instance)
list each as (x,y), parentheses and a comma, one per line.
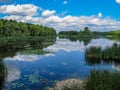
(86,29)
(18,29)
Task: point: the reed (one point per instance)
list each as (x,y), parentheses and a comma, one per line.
(96,54)
(103,80)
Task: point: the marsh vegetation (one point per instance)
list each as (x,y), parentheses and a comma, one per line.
(108,55)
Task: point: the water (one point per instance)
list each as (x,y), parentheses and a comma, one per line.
(64,59)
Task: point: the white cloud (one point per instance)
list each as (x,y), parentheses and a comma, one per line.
(26,12)
(48,13)
(99,43)
(71,22)
(65,2)
(116,67)
(24,9)
(118,1)
(68,46)
(100,14)
(23,58)
(27,58)
(13,73)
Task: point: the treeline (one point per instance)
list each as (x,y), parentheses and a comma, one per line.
(10,28)
(85,33)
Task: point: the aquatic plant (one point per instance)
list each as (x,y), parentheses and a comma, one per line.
(33,79)
(112,53)
(103,80)
(95,55)
(17,85)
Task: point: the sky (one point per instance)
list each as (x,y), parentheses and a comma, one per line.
(64,15)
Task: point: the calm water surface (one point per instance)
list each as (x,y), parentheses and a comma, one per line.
(65,60)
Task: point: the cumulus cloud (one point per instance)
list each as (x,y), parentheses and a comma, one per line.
(65,2)
(118,1)
(48,13)
(24,9)
(68,46)
(26,12)
(95,23)
(23,58)
(27,58)
(13,73)
(99,43)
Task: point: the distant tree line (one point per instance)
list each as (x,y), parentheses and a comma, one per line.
(85,33)
(17,29)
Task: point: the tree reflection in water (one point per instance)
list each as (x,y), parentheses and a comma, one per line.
(10,48)
(3,74)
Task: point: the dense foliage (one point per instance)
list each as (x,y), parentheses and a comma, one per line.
(17,29)
(103,80)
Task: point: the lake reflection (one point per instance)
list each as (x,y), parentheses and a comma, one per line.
(65,60)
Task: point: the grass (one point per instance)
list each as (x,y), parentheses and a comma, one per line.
(96,54)
(103,80)
(93,55)
(27,38)
(97,80)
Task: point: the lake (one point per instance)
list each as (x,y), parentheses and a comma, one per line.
(36,65)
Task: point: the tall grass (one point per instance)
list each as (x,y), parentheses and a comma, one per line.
(93,55)
(103,80)
(112,53)
(96,54)
(97,80)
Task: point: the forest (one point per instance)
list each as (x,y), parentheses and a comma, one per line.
(10,28)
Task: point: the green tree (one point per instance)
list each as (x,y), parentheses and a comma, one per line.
(86,29)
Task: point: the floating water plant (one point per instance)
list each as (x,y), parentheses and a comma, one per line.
(17,85)
(33,79)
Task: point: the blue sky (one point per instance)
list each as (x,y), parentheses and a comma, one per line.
(102,15)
